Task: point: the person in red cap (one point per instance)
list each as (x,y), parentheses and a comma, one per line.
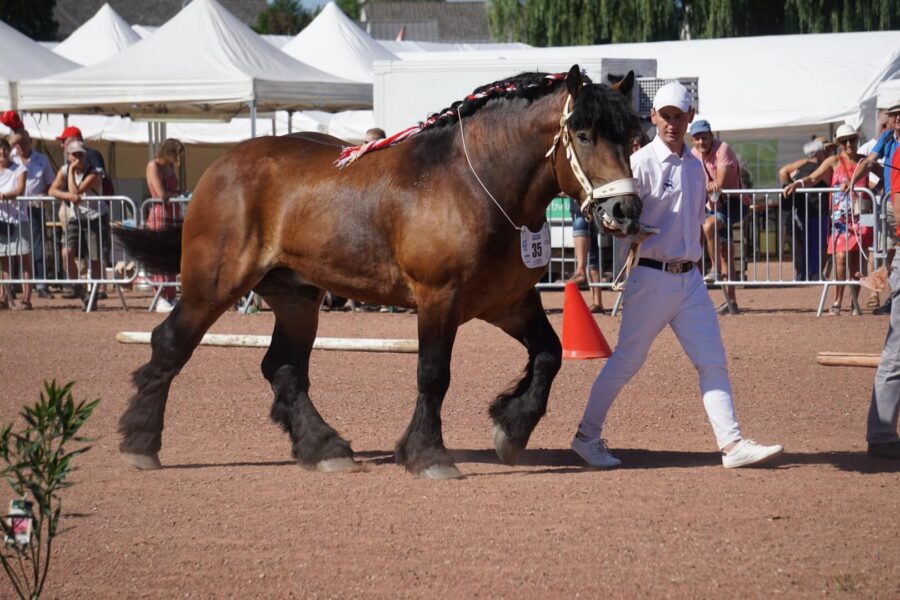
(95,160)
(11,119)
(87,233)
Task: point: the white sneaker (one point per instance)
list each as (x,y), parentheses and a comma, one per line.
(595,453)
(748,452)
(711,276)
(164,306)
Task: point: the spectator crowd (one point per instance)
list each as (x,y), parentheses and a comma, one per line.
(828,234)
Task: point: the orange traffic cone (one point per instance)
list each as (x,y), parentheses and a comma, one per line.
(581,337)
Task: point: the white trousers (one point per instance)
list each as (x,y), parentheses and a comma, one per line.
(652,300)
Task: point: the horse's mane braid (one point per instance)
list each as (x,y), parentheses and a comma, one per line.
(523,85)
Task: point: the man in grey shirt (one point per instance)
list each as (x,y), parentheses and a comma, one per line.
(882,427)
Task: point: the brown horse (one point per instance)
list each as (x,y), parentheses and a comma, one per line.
(409,225)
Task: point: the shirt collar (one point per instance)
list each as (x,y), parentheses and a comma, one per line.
(662,151)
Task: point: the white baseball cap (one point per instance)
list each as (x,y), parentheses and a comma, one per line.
(810,148)
(673,94)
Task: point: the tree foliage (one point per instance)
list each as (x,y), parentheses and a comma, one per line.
(821,16)
(283,17)
(350,8)
(579,22)
(34,18)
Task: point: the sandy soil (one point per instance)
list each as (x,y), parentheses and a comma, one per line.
(232,517)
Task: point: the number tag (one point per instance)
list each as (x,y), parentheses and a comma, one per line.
(535,247)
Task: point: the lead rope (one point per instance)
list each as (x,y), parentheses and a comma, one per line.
(471,168)
(618,284)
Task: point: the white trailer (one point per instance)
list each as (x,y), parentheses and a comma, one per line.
(407,92)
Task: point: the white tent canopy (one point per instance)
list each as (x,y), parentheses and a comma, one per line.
(889,93)
(117,129)
(203,63)
(413,47)
(752,83)
(335,44)
(144,30)
(103,35)
(24,59)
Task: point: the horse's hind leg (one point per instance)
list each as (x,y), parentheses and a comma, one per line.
(421,449)
(314,443)
(173,341)
(517,411)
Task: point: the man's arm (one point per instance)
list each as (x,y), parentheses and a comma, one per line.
(813,177)
(784,173)
(56,188)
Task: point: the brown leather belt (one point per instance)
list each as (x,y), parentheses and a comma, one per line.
(673,267)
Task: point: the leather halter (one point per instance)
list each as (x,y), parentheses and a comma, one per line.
(612,189)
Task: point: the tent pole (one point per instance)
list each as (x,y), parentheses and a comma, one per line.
(290,122)
(253,118)
(150,140)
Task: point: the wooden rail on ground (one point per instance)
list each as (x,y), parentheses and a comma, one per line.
(848,359)
(263,341)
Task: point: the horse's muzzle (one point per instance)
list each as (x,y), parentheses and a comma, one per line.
(623,212)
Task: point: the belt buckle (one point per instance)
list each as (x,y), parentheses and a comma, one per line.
(675,268)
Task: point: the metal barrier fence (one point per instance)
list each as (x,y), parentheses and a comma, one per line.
(154,214)
(45,241)
(760,239)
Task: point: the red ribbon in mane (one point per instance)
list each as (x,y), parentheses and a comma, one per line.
(351,153)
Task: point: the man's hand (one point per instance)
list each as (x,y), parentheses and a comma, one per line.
(613,231)
(791,188)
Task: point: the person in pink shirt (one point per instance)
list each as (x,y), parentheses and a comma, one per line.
(723,172)
(162,181)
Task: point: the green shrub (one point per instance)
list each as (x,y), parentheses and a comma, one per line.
(36,465)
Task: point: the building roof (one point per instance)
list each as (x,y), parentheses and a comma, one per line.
(70,14)
(427,21)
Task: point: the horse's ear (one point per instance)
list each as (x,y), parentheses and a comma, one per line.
(625,85)
(574,81)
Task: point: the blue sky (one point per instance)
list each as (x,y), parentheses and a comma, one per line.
(310,4)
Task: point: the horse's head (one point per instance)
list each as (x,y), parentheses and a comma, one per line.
(597,129)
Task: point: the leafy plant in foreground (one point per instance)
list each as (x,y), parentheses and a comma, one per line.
(36,465)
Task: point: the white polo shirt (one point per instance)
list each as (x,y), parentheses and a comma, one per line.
(40,174)
(673,190)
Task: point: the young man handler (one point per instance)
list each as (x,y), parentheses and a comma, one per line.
(666,288)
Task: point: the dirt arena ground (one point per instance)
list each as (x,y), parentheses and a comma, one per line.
(232,517)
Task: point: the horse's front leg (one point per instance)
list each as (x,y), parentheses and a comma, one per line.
(516,412)
(421,449)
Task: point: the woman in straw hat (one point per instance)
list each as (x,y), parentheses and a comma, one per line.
(847,235)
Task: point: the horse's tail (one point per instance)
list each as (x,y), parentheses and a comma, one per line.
(158,250)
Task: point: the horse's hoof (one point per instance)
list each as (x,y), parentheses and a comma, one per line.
(506,450)
(144,462)
(441,472)
(337,465)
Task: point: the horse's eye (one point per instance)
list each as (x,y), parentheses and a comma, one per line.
(582,137)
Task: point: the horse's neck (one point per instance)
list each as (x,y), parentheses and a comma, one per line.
(522,178)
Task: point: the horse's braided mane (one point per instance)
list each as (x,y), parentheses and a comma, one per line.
(523,85)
